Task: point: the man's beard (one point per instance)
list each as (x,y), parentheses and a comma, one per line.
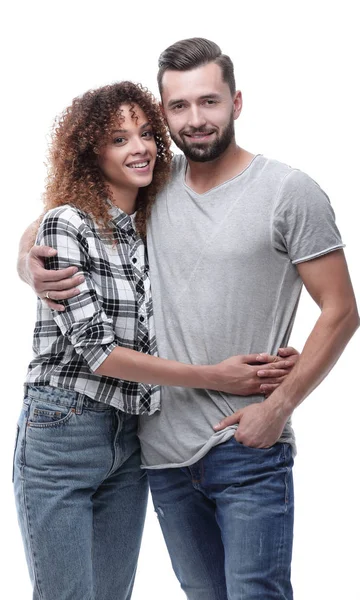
(199,152)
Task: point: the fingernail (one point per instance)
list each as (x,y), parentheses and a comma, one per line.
(216,426)
(52,251)
(81,279)
(261,372)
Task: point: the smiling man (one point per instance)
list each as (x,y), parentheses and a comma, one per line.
(231,240)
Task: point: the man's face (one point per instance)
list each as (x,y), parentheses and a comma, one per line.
(200,111)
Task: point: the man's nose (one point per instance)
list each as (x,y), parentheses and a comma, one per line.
(196,117)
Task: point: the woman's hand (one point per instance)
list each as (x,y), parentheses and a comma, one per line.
(250,374)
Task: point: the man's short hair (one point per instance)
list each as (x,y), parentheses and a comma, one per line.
(195,52)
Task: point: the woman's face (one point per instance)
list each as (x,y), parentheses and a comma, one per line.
(127,161)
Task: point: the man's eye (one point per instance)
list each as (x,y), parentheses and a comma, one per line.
(210,101)
(178,106)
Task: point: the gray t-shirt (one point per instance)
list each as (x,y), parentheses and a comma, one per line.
(224,282)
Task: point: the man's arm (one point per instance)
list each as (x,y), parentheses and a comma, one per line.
(327,281)
(59,285)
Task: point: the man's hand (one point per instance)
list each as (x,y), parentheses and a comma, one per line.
(290,357)
(260,424)
(250,374)
(49,285)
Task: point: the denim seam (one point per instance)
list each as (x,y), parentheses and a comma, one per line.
(287,488)
(280,554)
(32,554)
(280,557)
(15,448)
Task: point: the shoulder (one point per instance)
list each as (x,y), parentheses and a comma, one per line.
(272,169)
(287,177)
(290,185)
(66,217)
(299,187)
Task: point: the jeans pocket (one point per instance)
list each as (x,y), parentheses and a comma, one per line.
(251,448)
(45,414)
(15,447)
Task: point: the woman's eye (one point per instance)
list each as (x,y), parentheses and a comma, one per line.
(148,134)
(119,140)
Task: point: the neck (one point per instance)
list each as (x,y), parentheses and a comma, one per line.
(124,199)
(202,177)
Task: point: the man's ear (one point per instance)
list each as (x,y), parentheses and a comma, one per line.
(237,104)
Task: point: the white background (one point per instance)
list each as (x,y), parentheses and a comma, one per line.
(297,64)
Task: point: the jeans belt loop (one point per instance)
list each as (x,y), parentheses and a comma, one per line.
(79,404)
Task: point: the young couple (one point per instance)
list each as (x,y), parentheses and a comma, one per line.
(230,238)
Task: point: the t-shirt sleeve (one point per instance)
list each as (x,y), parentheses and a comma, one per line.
(83,322)
(304,222)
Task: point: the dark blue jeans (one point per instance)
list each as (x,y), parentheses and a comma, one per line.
(227,521)
(80,494)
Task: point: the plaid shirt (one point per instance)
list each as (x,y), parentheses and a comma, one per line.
(113,309)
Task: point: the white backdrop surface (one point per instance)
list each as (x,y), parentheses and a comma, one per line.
(297,66)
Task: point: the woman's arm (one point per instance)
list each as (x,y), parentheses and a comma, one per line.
(90,330)
(235,375)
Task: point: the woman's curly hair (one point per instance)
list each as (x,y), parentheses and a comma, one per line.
(74,175)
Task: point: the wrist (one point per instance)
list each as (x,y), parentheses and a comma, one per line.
(280,404)
(209,377)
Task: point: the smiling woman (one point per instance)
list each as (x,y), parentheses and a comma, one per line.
(94,141)
(109,156)
(128,158)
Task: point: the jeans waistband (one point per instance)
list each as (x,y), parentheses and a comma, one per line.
(68,398)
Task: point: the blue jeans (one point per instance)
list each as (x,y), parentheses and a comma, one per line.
(80,494)
(227,521)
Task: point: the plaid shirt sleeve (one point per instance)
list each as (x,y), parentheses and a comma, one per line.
(83,322)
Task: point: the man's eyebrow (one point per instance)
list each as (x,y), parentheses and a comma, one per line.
(210,97)
(147,124)
(202,97)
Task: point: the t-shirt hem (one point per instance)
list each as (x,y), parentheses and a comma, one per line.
(318,254)
(212,442)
